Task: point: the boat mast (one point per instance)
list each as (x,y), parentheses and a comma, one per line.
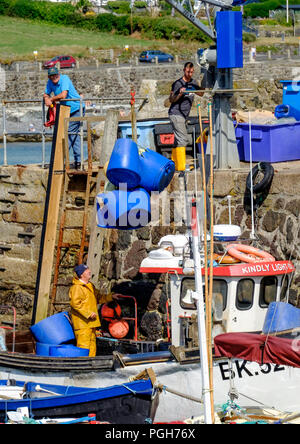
(198,296)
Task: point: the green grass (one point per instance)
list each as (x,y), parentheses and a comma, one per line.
(21,37)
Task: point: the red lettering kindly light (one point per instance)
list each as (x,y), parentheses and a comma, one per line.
(258,269)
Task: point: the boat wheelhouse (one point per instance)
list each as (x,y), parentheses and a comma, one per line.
(242,292)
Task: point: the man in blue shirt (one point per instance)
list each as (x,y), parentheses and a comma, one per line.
(62,88)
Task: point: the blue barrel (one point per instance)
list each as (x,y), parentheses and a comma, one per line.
(56,329)
(44,349)
(68,351)
(156,171)
(281,316)
(123,210)
(124,164)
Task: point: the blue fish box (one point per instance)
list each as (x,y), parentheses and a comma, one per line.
(269,143)
(280,317)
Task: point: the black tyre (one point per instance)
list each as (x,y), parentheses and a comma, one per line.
(268,172)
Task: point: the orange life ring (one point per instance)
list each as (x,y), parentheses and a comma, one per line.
(221,259)
(248,254)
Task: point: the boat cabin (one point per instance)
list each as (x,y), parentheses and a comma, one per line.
(242,292)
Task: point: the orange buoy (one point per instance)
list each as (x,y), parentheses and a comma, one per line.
(110,311)
(118,328)
(246,253)
(225,259)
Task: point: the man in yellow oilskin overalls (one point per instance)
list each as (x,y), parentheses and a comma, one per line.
(84,298)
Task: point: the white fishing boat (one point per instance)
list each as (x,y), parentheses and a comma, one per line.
(242,293)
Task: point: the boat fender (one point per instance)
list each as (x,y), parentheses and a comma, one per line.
(51,115)
(249,254)
(268,173)
(110,311)
(118,328)
(225,259)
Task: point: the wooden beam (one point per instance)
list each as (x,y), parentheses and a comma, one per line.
(51,212)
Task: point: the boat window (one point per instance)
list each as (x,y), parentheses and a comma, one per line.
(268,290)
(188,284)
(284,288)
(244,294)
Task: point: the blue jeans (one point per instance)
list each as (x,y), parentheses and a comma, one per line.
(74,139)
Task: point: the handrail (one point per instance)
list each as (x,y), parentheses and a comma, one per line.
(44,133)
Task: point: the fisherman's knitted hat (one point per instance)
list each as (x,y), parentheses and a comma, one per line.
(80,269)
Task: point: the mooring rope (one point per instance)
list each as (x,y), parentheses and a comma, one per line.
(162,387)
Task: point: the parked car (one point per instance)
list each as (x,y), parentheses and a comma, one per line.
(65,62)
(150,56)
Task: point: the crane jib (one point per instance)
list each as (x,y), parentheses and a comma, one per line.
(193,19)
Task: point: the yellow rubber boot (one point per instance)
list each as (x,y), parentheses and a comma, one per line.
(179,157)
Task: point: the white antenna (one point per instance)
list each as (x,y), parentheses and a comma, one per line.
(252,234)
(229,208)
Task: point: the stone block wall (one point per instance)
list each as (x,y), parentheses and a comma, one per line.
(111,81)
(22,195)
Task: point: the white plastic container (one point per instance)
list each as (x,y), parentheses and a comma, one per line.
(226,233)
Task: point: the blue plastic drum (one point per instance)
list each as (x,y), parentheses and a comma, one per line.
(65,351)
(124,164)
(156,171)
(44,349)
(123,210)
(56,329)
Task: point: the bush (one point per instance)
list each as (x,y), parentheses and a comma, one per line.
(261,9)
(66,14)
(121,7)
(248,37)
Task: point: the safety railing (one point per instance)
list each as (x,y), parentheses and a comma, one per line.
(44,132)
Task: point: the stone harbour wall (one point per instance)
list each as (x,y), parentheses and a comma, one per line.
(21,216)
(110,81)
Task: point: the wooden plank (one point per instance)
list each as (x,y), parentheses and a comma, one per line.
(97,234)
(51,212)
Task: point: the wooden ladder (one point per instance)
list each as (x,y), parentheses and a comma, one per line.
(55,227)
(87,237)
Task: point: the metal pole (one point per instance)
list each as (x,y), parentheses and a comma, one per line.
(43,134)
(4,136)
(201,319)
(81,134)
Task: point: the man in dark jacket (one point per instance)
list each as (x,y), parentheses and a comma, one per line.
(181,104)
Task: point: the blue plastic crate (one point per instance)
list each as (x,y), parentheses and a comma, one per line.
(270,143)
(144,131)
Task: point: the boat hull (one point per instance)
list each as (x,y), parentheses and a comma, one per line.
(133,403)
(269,385)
